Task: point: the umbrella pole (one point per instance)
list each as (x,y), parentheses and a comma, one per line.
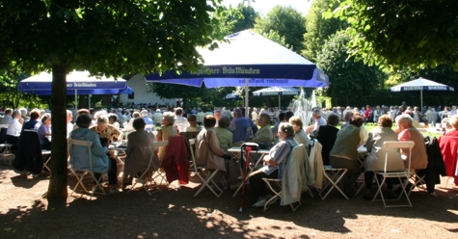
(89,101)
(421,100)
(76,99)
(246,98)
(279,102)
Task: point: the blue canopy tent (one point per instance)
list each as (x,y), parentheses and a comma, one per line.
(248,59)
(78,82)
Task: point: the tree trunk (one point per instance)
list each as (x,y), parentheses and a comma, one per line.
(58,182)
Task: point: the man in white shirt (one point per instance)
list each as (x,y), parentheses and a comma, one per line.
(319,121)
(14,129)
(180,121)
(69,122)
(218,116)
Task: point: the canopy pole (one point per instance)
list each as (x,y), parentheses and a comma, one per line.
(89,101)
(279,102)
(76,99)
(246,98)
(421,100)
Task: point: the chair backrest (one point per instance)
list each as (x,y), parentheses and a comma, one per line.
(3,135)
(387,145)
(187,136)
(192,144)
(83,143)
(158,144)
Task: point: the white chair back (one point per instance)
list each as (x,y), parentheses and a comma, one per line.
(387,145)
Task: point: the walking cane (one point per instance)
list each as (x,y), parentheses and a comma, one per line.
(247,162)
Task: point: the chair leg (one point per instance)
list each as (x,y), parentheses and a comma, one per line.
(206,183)
(334,179)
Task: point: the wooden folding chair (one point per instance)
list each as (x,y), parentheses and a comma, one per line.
(160,173)
(81,173)
(46,164)
(150,182)
(400,175)
(205,175)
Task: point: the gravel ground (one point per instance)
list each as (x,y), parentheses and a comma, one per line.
(177,214)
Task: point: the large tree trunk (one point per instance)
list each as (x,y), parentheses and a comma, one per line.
(58,181)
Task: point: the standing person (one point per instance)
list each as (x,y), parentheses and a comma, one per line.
(239,126)
(368,114)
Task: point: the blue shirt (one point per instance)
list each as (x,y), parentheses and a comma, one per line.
(239,127)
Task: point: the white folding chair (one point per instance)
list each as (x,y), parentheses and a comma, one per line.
(296,160)
(204,175)
(159,173)
(150,182)
(45,152)
(400,175)
(332,178)
(80,173)
(5,150)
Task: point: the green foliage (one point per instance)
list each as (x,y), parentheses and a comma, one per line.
(287,22)
(318,28)
(350,81)
(235,19)
(400,33)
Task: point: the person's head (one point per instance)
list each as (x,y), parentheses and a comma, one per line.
(288,115)
(112,118)
(34,114)
(285,130)
(316,113)
(385,121)
(24,112)
(100,113)
(333,119)
(139,123)
(46,119)
(83,121)
(209,121)
(83,111)
(264,119)
(454,121)
(357,120)
(237,113)
(69,116)
(403,121)
(144,113)
(297,123)
(8,111)
(168,119)
(192,119)
(224,122)
(217,115)
(179,111)
(135,115)
(281,117)
(348,116)
(102,122)
(16,114)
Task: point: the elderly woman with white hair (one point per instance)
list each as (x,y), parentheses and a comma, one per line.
(167,130)
(275,163)
(407,132)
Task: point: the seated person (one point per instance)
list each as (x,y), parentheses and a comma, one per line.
(275,163)
(33,122)
(192,119)
(113,120)
(135,115)
(239,126)
(180,121)
(319,121)
(167,130)
(108,134)
(14,129)
(453,121)
(406,132)
(100,162)
(208,152)
(281,118)
(224,135)
(45,130)
(327,135)
(263,136)
(375,161)
(299,134)
(139,151)
(344,154)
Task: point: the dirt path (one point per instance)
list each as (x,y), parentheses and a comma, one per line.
(177,214)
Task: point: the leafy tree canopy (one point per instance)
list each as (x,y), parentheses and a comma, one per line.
(318,28)
(238,18)
(288,22)
(351,80)
(414,33)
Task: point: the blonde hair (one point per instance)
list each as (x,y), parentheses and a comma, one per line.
(454,121)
